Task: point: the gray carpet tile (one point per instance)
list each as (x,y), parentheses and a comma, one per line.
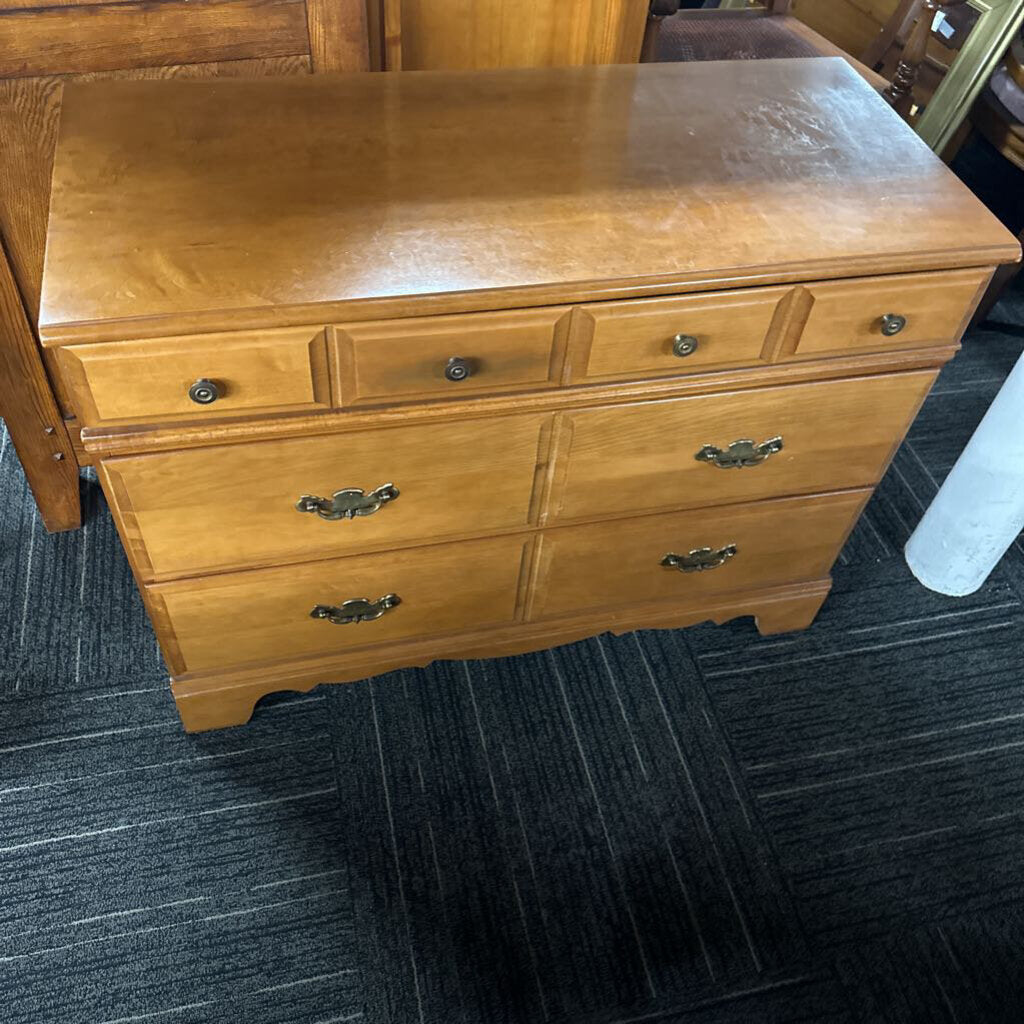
(73,619)
(956,972)
(599,854)
(149,875)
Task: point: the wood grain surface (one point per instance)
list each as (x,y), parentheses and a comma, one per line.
(264,615)
(529,33)
(143,381)
(280,198)
(618,564)
(114,36)
(215,508)
(642,457)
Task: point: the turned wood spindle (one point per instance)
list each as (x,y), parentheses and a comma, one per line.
(900,90)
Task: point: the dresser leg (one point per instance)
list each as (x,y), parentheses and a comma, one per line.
(791,614)
(217,709)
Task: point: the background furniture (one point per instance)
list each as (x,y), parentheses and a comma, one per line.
(932,76)
(727,33)
(998,115)
(41,48)
(373,380)
(942,66)
(415,35)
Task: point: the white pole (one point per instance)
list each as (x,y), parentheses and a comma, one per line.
(979,509)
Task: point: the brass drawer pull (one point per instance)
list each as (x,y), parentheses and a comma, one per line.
(349,503)
(893,323)
(458,369)
(684,345)
(700,559)
(739,453)
(359,609)
(204,391)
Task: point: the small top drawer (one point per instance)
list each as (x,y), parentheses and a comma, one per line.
(675,335)
(879,313)
(450,356)
(201,376)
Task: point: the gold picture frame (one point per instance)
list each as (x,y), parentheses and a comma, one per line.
(999,21)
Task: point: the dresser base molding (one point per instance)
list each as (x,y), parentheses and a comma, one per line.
(217,700)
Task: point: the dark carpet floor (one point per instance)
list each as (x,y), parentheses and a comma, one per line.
(687,826)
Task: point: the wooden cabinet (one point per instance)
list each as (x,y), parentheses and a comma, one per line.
(501,361)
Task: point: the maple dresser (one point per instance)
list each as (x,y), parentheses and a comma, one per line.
(384,368)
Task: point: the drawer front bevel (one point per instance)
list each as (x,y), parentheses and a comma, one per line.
(265,615)
(622,563)
(150,381)
(449,357)
(878,314)
(234,506)
(678,335)
(653,456)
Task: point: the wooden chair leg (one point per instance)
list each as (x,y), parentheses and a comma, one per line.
(900,90)
(657,11)
(1001,280)
(33,419)
(896,27)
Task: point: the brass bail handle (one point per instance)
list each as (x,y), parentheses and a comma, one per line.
(358,609)
(740,453)
(700,559)
(348,503)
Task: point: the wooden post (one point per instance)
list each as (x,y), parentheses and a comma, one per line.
(33,419)
(657,11)
(901,88)
(337,35)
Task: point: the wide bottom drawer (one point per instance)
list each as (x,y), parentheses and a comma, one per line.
(685,556)
(366,601)
(267,615)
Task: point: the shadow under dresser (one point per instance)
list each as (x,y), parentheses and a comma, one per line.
(383,368)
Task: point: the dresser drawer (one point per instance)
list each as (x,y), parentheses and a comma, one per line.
(450,356)
(641,561)
(198,377)
(264,615)
(234,506)
(880,313)
(682,453)
(667,337)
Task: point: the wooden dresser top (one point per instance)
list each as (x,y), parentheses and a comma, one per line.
(185,206)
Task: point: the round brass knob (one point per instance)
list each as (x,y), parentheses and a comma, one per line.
(684,345)
(458,369)
(204,392)
(893,323)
